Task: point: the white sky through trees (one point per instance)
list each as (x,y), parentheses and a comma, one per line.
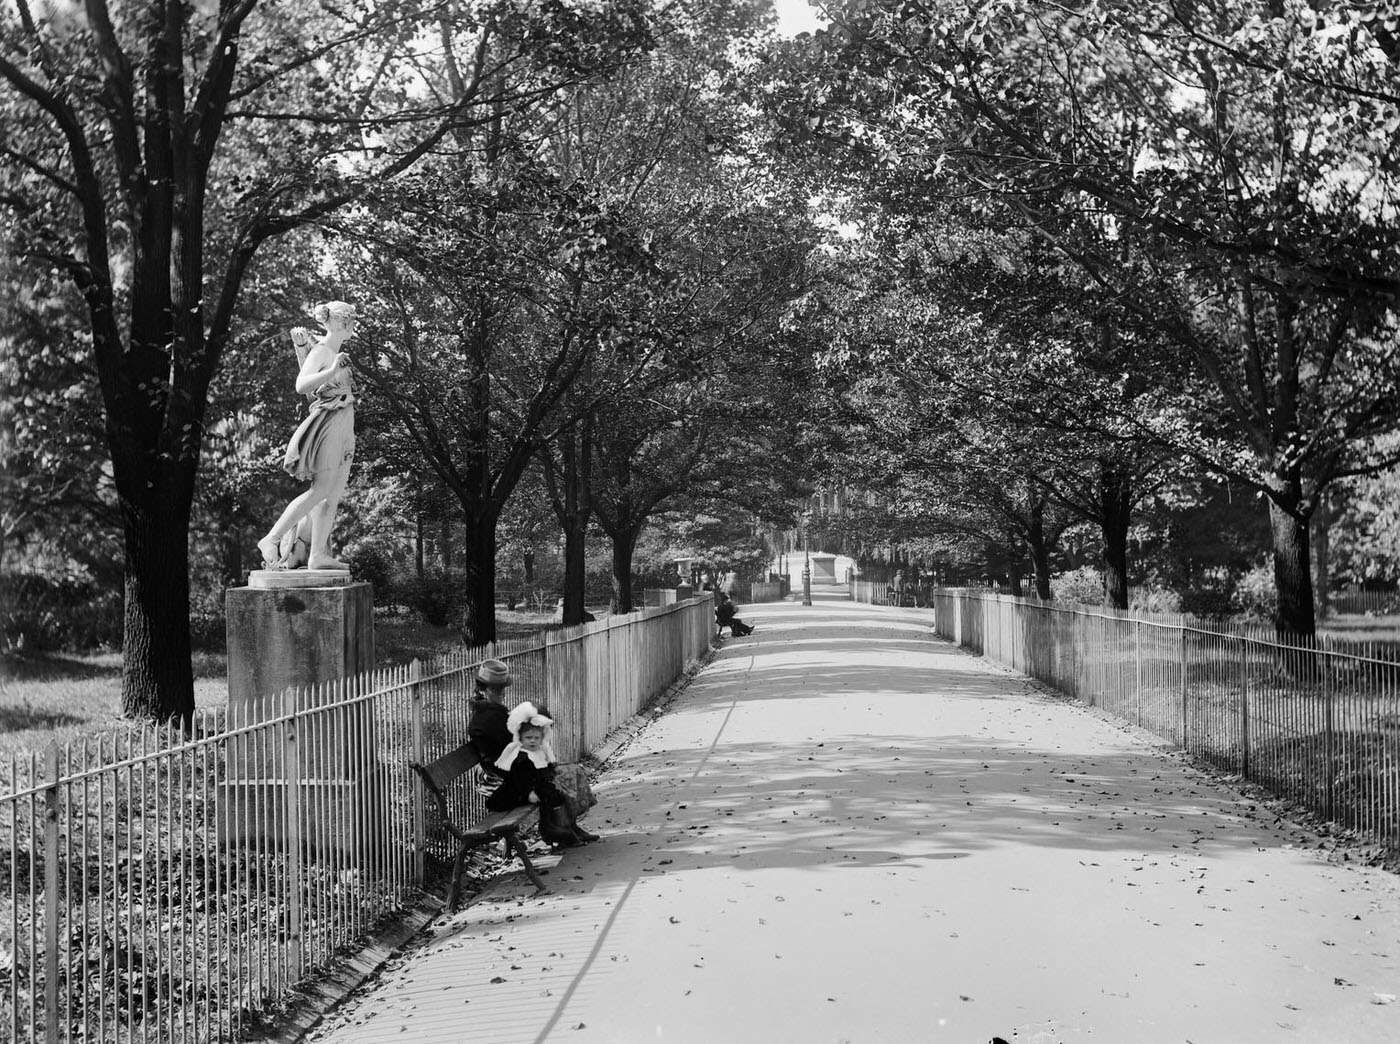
(797,16)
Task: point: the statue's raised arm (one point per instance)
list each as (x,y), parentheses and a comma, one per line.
(301,341)
(321,449)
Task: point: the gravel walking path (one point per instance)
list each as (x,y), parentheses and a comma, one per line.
(848,830)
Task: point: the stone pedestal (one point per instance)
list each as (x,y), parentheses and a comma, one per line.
(296,627)
(302,772)
(823,567)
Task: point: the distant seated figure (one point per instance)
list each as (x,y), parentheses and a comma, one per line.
(725,617)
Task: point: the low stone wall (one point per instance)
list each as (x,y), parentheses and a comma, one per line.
(654,596)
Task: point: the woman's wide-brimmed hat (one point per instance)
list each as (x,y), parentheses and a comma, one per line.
(493,672)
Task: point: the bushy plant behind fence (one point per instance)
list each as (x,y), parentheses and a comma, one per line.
(172,887)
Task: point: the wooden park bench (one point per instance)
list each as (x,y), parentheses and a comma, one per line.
(437,777)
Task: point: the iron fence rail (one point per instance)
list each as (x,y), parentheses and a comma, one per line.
(870,592)
(172,886)
(1314,721)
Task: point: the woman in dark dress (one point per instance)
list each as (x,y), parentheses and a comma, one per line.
(486,727)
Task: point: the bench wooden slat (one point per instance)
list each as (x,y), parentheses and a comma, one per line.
(443,771)
(438,776)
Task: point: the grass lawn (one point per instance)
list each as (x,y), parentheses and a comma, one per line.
(1380,633)
(1358,625)
(64,695)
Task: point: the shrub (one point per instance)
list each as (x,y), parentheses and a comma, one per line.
(1209,598)
(597,586)
(436,596)
(45,612)
(372,563)
(1155,600)
(1256,594)
(208,625)
(1082,586)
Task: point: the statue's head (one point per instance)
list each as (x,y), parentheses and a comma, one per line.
(335,315)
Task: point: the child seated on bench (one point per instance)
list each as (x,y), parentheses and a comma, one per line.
(724,617)
(528,766)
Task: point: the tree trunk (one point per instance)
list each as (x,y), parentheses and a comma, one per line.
(570,494)
(624,546)
(479,587)
(574,567)
(1322,554)
(572,507)
(1039,549)
(1292,571)
(1040,563)
(1115,511)
(418,545)
(157,678)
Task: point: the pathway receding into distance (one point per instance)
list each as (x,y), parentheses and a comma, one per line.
(847,829)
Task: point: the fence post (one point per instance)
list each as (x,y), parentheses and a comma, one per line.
(1328,736)
(51,799)
(1185,701)
(291,805)
(1137,660)
(415,709)
(1244,706)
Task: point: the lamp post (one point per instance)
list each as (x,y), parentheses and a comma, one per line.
(807,579)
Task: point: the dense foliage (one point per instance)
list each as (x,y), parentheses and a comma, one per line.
(1035,288)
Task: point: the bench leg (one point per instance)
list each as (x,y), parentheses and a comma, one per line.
(456,880)
(517,846)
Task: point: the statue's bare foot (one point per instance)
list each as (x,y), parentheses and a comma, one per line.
(325,562)
(271,553)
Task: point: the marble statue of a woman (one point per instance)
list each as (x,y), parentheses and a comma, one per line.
(322,447)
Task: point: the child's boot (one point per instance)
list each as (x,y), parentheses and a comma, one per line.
(556,826)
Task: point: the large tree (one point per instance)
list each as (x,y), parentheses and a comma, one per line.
(1223,169)
(493,298)
(980,385)
(153,146)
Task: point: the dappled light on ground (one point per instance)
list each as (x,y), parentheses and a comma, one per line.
(848,829)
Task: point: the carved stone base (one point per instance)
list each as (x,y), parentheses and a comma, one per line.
(309,776)
(267,579)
